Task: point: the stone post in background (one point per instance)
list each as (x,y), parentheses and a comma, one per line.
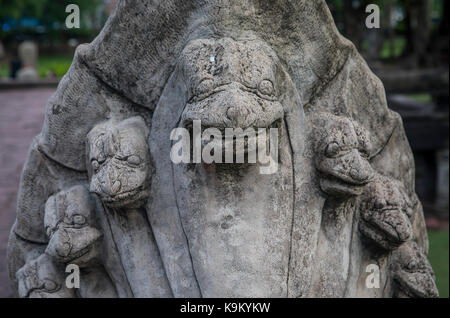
(28,54)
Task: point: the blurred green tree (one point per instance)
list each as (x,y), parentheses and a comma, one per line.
(410,29)
(50,14)
(43,9)
(56,10)
(15,8)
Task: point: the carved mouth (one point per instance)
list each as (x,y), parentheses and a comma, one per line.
(91,241)
(189,126)
(242,142)
(349,180)
(337,186)
(396,233)
(123,199)
(386,239)
(73,257)
(410,289)
(47,286)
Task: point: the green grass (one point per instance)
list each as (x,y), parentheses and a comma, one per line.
(439,260)
(4,71)
(422,98)
(58,64)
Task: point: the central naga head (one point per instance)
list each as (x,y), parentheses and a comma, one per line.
(232,84)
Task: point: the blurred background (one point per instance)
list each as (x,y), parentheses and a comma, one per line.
(409,52)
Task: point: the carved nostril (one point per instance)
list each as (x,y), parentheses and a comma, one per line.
(110,187)
(115,188)
(360,176)
(355,174)
(64,245)
(379,203)
(63,250)
(361,171)
(237,115)
(232,113)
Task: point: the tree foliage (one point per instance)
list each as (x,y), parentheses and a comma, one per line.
(16,8)
(48,10)
(50,14)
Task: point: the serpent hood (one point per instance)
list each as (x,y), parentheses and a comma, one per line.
(131,69)
(133,57)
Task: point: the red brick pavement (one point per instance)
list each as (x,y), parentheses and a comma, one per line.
(21,118)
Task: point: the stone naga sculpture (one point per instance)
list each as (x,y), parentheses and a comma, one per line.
(342,151)
(120,172)
(342,155)
(70,226)
(42,278)
(74,238)
(385,213)
(119,164)
(243,86)
(413,275)
(310,228)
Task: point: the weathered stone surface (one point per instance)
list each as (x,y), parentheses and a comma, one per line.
(341,199)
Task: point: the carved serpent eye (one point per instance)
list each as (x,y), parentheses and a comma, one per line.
(95,165)
(412,265)
(79,219)
(204,87)
(364,153)
(332,150)
(50,286)
(266,88)
(380,203)
(134,160)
